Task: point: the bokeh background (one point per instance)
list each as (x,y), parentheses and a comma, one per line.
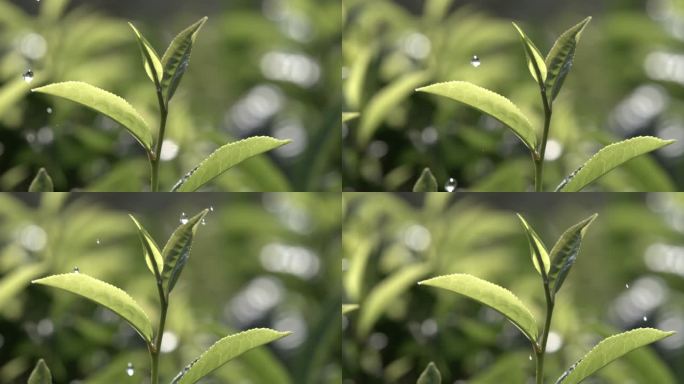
(261,260)
(629,273)
(626,81)
(266,67)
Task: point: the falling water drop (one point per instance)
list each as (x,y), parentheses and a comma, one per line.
(130,370)
(450,185)
(97,241)
(183,218)
(645,318)
(49,110)
(28,76)
(211,208)
(530,357)
(627,286)
(76,270)
(475,61)
(204,221)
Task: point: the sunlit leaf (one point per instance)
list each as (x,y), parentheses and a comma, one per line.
(347,308)
(104,294)
(426,182)
(490,103)
(534,58)
(560,58)
(150,58)
(430,375)
(177,251)
(537,247)
(565,251)
(492,295)
(42,182)
(41,374)
(177,57)
(152,253)
(349,116)
(104,102)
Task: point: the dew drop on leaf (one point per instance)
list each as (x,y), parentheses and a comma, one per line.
(450,185)
(28,76)
(76,270)
(475,61)
(130,371)
(183,218)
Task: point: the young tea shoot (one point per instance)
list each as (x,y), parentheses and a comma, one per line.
(165,74)
(553,268)
(549,74)
(165,265)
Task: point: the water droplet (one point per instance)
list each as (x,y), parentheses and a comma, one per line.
(28,76)
(203,222)
(49,110)
(76,270)
(627,286)
(97,241)
(645,318)
(211,208)
(475,61)
(530,357)
(450,185)
(130,370)
(184,218)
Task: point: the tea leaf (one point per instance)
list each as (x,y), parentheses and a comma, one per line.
(347,308)
(177,250)
(565,251)
(490,103)
(149,57)
(104,294)
(608,158)
(225,158)
(534,58)
(349,116)
(104,102)
(609,350)
(353,90)
(536,247)
(152,253)
(177,57)
(426,182)
(224,351)
(560,58)
(42,182)
(430,375)
(41,374)
(492,295)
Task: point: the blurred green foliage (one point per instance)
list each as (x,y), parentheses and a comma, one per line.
(260,261)
(261,67)
(629,274)
(624,83)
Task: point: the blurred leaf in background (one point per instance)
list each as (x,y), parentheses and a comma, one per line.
(261,260)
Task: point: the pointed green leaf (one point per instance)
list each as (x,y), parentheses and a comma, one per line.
(104,294)
(534,58)
(349,116)
(177,57)
(225,158)
(347,308)
(152,253)
(41,374)
(492,295)
(608,158)
(42,182)
(565,251)
(560,58)
(104,102)
(430,375)
(177,251)
(150,58)
(609,350)
(490,103)
(537,247)
(426,182)
(224,351)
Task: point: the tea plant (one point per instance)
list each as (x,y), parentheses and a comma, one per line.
(165,73)
(549,73)
(166,266)
(553,268)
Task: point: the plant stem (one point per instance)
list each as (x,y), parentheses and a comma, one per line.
(541,348)
(156,155)
(539,162)
(155,349)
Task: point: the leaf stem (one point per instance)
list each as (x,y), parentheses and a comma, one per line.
(155,349)
(541,348)
(156,155)
(539,162)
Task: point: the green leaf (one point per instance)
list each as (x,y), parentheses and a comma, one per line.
(537,247)
(150,58)
(608,158)
(104,294)
(426,182)
(609,350)
(560,58)
(152,253)
(177,57)
(534,58)
(104,102)
(565,251)
(225,158)
(430,375)
(41,374)
(177,251)
(492,295)
(347,308)
(42,182)
(349,116)
(490,103)
(224,351)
